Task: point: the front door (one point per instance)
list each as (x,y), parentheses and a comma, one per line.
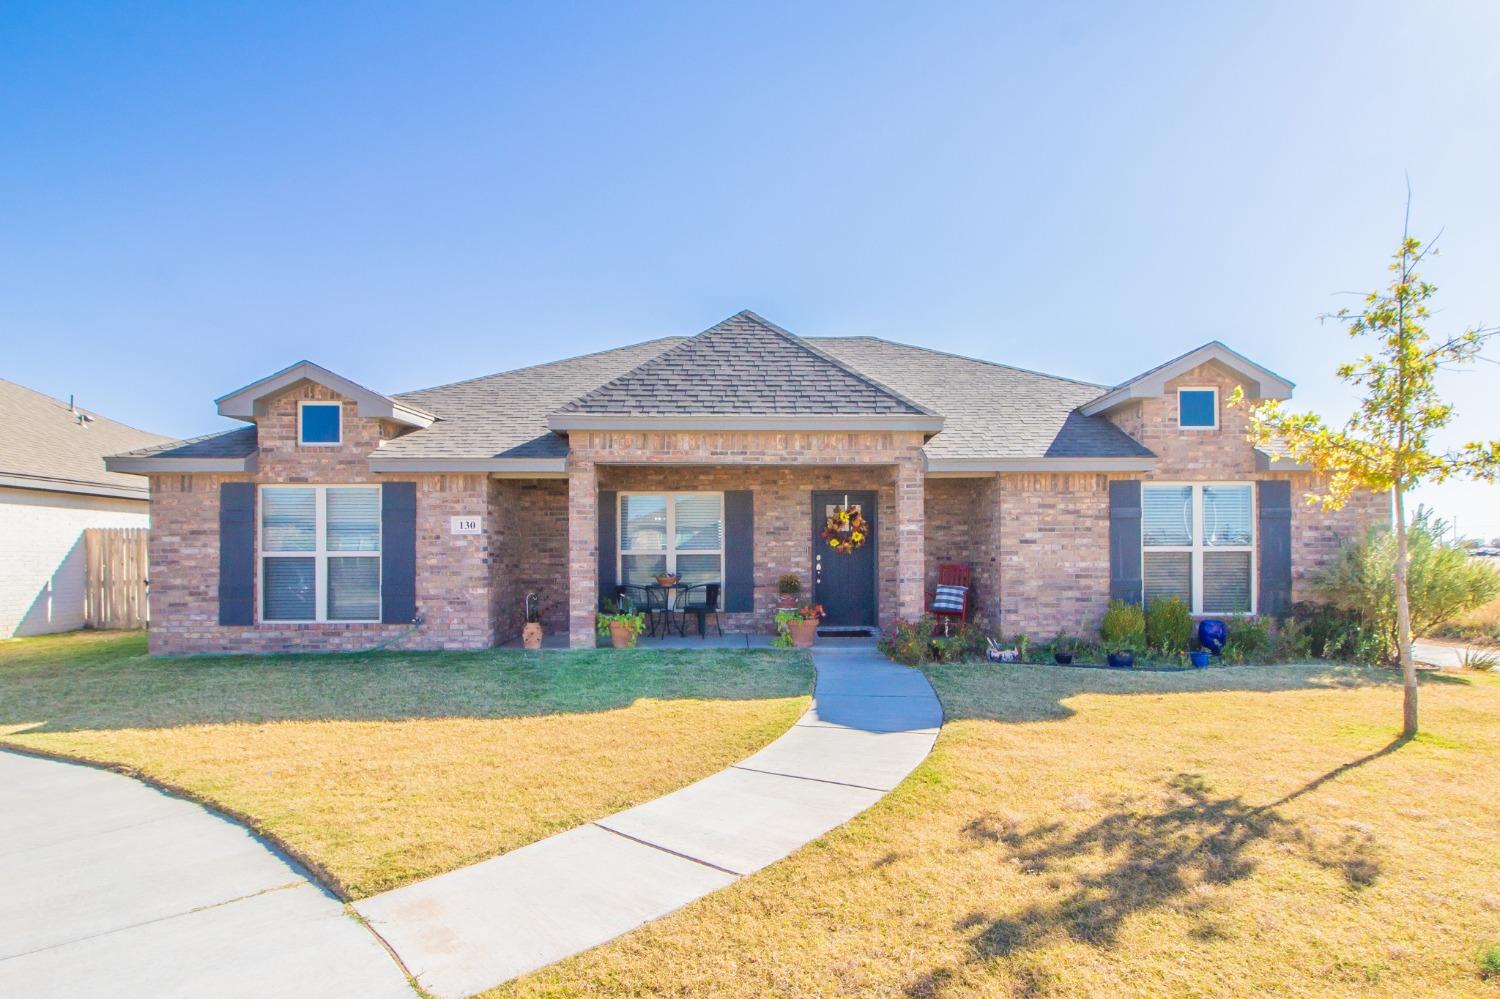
(844,583)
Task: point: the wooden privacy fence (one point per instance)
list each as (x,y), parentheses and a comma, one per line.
(114,593)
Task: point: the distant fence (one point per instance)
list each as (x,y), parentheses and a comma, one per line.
(114,593)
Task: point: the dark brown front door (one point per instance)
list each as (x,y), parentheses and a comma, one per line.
(844,584)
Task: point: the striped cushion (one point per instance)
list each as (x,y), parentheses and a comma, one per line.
(949,598)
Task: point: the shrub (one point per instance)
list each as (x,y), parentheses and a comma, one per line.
(1443,582)
(1124,625)
(1169,626)
(789,585)
(909,642)
(1249,639)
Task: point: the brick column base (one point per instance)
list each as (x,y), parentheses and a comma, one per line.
(911,529)
(583,552)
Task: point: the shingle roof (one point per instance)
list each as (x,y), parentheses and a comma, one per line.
(505,415)
(239,442)
(43,442)
(989,410)
(742,366)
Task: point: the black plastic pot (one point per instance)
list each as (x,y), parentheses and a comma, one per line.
(1063,658)
(1123,659)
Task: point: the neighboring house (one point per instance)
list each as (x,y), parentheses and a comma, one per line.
(53,485)
(340,517)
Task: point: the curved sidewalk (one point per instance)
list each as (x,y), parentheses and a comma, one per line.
(459,933)
(109,887)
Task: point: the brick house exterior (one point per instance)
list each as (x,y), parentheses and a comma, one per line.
(519,482)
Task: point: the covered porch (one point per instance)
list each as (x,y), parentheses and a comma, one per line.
(743,526)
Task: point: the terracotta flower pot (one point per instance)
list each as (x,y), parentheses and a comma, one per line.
(620,636)
(786,601)
(804,633)
(531,635)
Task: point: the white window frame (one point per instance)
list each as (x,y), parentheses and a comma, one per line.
(671,549)
(1198,547)
(319,553)
(303,404)
(1198,388)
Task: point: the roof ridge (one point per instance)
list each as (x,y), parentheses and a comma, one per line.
(802,344)
(545,364)
(92,414)
(966,357)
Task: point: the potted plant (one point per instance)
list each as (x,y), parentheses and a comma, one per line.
(531,632)
(667,579)
(622,629)
(1062,650)
(799,627)
(1199,658)
(788,588)
(1123,631)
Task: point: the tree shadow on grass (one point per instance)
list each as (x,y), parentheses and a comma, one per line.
(1143,856)
(61,686)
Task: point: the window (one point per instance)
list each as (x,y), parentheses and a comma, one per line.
(318,423)
(681,533)
(320,553)
(1198,543)
(1198,408)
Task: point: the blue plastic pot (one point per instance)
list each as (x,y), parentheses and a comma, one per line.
(1212,635)
(1124,659)
(1199,658)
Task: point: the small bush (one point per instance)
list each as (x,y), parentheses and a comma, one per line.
(1124,626)
(1249,640)
(1169,626)
(1443,581)
(909,642)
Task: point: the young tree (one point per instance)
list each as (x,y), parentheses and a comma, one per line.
(1386,445)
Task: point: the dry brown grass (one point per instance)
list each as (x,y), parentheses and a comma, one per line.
(383,769)
(1229,832)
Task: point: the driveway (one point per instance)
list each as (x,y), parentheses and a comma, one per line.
(110,888)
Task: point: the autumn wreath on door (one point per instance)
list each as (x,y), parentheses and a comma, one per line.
(846,530)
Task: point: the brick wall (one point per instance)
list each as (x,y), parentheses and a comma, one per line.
(530,532)
(454,573)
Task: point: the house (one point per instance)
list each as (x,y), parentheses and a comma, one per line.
(53,485)
(338,517)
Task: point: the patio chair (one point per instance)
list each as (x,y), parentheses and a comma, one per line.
(700,606)
(954,597)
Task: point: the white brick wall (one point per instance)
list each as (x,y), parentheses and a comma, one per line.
(41,555)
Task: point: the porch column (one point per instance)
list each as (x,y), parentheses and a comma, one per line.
(583,552)
(911,528)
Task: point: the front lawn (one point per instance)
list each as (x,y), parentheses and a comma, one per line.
(1252,830)
(382,769)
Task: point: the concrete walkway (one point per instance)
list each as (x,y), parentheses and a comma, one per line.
(111,888)
(459,933)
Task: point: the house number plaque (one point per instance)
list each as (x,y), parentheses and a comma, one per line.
(466,525)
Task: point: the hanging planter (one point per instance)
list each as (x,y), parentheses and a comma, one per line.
(846,530)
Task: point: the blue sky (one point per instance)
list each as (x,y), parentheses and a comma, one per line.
(194,195)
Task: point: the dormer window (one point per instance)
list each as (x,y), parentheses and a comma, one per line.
(1198,408)
(319,423)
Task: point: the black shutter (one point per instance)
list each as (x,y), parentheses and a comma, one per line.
(739,550)
(1125,541)
(1274,500)
(609,525)
(237,553)
(398,552)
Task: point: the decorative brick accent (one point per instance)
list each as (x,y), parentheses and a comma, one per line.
(911,519)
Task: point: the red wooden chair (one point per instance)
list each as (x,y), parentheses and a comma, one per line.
(952,574)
